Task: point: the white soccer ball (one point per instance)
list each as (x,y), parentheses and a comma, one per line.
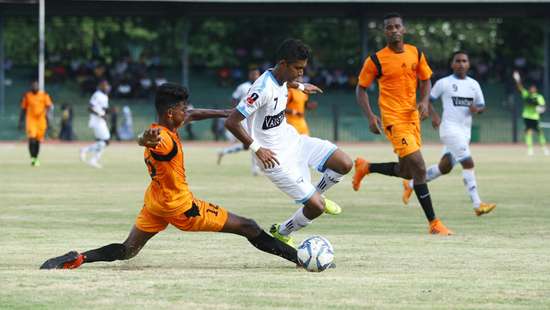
(315,254)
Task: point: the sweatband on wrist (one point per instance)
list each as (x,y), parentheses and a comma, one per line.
(254,146)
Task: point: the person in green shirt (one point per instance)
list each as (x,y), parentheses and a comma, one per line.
(533,106)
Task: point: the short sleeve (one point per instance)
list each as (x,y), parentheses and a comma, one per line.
(437,90)
(479,99)
(540,100)
(423,69)
(368,73)
(254,100)
(166,144)
(24,102)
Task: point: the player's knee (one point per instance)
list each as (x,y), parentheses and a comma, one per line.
(445,169)
(347,165)
(250,228)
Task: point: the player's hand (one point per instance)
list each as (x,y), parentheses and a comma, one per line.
(516,76)
(150,138)
(436,120)
(312,89)
(474,109)
(375,124)
(424,109)
(267,157)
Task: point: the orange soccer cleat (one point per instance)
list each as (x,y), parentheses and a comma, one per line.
(407,192)
(361,170)
(437,228)
(70,260)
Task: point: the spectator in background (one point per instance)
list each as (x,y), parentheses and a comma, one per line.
(66,133)
(114,123)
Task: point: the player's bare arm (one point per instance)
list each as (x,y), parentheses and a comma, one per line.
(436,119)
(363,101)
(201,114)
(21,123)
(305,87)
(233,124)
(517,79)
(476,109)
(424,104)
(149,138)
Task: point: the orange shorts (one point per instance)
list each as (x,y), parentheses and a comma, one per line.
(202,216)
(36,130)
(405,137)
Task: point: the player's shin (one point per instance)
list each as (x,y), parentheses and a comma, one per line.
(296,222)
(268,244)
(330,177)
(108,253)
(471,186)
(389,169)
(423,195)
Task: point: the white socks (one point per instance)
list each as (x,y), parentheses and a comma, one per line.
(96,148)
(296,222)
(330,177)
(471,186)
(432,173)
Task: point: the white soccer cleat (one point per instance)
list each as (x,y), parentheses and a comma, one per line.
(95,164)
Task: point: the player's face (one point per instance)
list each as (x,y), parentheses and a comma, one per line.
(34,87)
(532,89)
(461,64)
(253,75)
(177,113)
(294,70)
(394,30)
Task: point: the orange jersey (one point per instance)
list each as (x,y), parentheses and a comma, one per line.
(397,82)
(36,106)
(168,193)
(296,107)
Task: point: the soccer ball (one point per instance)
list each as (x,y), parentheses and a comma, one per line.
(315,254)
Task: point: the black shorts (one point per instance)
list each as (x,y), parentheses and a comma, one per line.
(531,124)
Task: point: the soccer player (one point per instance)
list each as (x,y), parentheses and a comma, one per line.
(399,69)
(286,156)
(168,199)
(533,106)
(296,108)
(34,108)
(99,106)
(461,96)
(239,93)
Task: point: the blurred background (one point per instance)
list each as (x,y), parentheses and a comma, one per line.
(209,46)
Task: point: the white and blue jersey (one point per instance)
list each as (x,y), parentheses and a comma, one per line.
(264,109)
(457,96)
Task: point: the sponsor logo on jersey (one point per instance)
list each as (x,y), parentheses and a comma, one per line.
(462,101)
(252,98)
(272,121)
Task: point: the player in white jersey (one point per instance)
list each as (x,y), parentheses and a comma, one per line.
(99,106)
(285,156)
(461,96)
(239,93)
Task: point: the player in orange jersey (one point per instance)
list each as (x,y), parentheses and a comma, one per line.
(399,68)
(296,108)
(34,108)
(168,199)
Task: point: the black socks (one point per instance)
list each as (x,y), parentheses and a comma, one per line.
(423,195)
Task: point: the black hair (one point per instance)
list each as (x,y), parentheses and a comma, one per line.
(392,15)
(292,50)
(459,52)
(169,95)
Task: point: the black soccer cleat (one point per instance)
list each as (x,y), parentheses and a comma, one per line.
(69,260)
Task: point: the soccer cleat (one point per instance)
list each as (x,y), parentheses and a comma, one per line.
(82,155)
(361,170)
(437,228)
(332,207)
(35,162)
(484,208)
(94,163)
(407,192)
(70,260)
(274,230)
(220,156)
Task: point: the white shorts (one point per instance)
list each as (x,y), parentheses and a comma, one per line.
(456,141)
(101,131)
(292,176)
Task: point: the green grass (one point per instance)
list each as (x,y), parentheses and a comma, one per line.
(385,258)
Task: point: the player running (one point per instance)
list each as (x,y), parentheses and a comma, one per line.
(168,199)
(296,110)
(34,108)
(461,96)
(285,155)
(239,93)
(399,69)
(99,106)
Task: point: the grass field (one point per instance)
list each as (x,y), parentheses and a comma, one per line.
(385,258)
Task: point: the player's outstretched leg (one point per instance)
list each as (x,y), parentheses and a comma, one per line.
(34,149)
(337,165)
(470,183)
(114,251)
(249,229)
(234,148)
(364,167)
